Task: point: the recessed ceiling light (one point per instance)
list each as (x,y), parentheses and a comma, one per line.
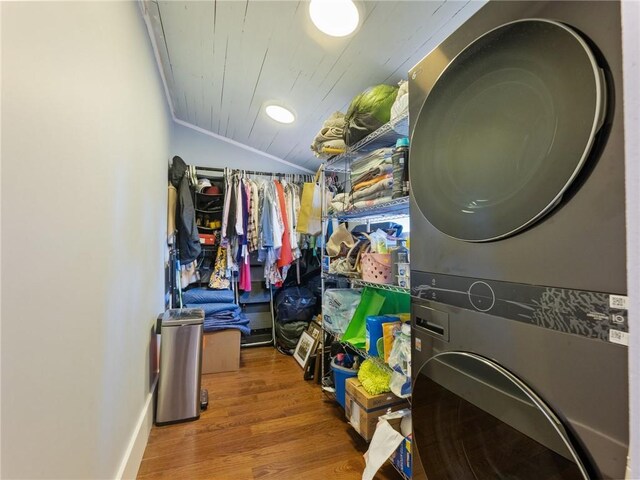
(280,114)
(337,18)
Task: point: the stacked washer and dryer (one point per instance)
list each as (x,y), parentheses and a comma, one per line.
(519,283)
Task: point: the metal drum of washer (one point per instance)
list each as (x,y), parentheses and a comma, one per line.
(476,420)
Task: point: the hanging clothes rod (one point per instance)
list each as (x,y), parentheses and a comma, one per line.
(248,172)
(253,172)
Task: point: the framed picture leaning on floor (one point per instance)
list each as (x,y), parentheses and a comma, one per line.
(306,346)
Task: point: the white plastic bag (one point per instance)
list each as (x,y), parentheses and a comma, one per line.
(402,100)
(338,308)
(400,362)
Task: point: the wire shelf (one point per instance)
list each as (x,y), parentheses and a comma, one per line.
(391,288)
(396,208)
(359,351)
(385,136)
(358,282)
(337,277)
(366,355)
(328,389)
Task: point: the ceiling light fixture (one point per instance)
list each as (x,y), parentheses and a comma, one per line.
(337,18)
(280,114)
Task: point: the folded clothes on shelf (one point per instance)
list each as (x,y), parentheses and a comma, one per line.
(373,175)
(381,167)
(372,181)
(339,203)
(373,195)
(372,203)
(370,160)
(375,190)
(370,197)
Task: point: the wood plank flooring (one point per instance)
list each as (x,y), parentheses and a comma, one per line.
(263,421)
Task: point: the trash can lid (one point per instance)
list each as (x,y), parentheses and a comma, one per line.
(182,316)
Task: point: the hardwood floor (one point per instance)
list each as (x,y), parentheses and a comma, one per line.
(263,421)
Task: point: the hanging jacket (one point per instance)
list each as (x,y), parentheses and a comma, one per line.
(188,239)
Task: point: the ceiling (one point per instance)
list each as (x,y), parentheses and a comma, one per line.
(222,61)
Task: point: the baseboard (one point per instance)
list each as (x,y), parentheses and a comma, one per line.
(135,450)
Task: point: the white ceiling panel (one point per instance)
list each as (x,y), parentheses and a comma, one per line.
(224,60)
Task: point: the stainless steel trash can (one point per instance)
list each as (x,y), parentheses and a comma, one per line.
(180,364)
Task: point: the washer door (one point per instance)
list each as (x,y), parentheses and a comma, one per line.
(472,419)
(505,130)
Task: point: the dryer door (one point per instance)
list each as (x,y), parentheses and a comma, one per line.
(472,419)
(505,130)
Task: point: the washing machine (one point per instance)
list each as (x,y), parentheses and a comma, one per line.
(519,280)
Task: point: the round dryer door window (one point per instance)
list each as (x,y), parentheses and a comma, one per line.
(505,130)
(473,419)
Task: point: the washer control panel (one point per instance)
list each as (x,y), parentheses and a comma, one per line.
(591,314)
(481,296)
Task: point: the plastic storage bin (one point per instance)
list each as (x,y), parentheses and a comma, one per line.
(340,375)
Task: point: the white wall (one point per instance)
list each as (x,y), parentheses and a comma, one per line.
(631,59)
(203,150)
(85,143)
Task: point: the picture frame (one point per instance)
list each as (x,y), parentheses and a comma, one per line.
(310,368)
(304,349)
(315,330)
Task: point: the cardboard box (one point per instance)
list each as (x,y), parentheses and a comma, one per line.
(354,388)
(363,410)
(401,458)
(221,351)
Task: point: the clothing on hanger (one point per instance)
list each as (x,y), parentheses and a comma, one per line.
(239,207)
(261,215)
(220,277)
(243,252)
(225,208)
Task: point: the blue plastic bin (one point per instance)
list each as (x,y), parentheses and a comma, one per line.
(340,375)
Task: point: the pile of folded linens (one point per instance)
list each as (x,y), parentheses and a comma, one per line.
(330,139)
(220,311)
(371,182)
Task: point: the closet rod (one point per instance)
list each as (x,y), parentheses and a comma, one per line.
(249,172)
